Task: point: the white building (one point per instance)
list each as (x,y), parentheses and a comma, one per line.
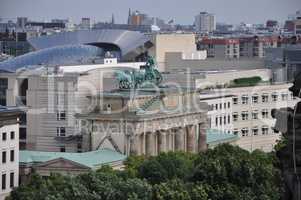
(252,120)
(250,107)
(205,22)
(9,147)
(220,111)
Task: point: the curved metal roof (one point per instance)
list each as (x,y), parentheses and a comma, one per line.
(70,54)
(127,41)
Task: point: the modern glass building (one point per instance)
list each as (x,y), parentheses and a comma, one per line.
(60,55)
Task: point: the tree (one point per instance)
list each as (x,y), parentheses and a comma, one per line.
(223,173)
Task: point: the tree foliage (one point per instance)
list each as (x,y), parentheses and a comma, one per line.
(224,173)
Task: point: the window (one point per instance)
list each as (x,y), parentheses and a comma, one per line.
(225,119)
(216,121)
(244,132)
(244,115)
(61,115)
(3,156)
(61,131)
(244,99)
(12,155)
(62,149)
(265,98)
(79,147)
(235,117)
(220,106)
(265,113)
(12,181)
(3,181)
(229,104)
(235,100)
(12,135)
(274,97)
(255,114)
(229,119)
(255,131)
(4,135)
(220,120)
(216,107)
(255,98)
(225,105)
(284,97)
(265,130)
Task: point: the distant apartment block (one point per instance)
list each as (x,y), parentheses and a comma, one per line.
(205,22)
(242,47)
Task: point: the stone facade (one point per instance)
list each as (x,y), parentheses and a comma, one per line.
(134,131)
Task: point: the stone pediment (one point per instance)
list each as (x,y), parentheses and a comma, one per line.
(62,163)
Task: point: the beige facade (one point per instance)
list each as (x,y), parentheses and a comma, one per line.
(182,43)
(148,124)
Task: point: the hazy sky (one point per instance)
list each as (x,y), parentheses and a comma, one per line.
(183,11)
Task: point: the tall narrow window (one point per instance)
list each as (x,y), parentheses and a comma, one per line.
(4,136)
(3,181)
(12,180)
(3,156)
(12,135)
(12,155)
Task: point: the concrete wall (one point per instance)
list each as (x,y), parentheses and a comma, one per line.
(174,62)
(164,43)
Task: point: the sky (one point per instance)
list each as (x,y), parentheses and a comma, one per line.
(182,11)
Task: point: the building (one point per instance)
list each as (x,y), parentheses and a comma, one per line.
(220,111)
(140,28)
(9,147)
(284,61)
(45,163)
(127,45)
(52,97)
(289,26)
(298,26)
(184,44)
(237,47)
(47,25)
(251,114)
(14,44)
(136,18)
(272,25)
(21,22)
(154,120)
(85,23)
(220,47)
(205,22)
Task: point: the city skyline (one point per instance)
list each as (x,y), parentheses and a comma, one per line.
(229,11)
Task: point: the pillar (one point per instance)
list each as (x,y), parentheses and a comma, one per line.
(150,144)
(202,144)
(179,139)
(161,141)
(190,138)
(134,145)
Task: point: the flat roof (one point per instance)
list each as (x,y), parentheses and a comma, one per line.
(215,137)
